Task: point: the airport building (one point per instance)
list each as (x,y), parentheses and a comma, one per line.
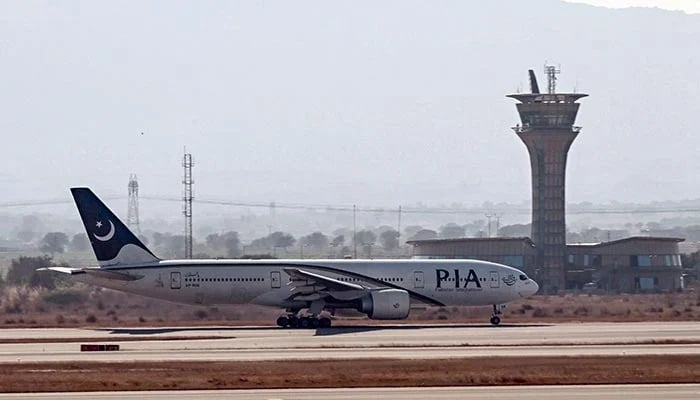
(630,265)
(516,252)
(633,264)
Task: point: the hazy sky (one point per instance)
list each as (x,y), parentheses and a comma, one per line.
(386,103)
(688,6)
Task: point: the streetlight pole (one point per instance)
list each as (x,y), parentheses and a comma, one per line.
(354,230)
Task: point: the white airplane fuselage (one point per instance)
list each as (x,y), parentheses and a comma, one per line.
(264,282)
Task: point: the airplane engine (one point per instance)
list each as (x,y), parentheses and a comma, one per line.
(386,304)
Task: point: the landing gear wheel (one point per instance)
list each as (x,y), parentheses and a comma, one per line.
(495,320)
(283,321)
(293,321)
(324,322)
(314,323)
(304,322)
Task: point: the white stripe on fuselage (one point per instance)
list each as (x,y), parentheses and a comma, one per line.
(447,282)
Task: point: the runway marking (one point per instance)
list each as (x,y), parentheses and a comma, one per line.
(111,339)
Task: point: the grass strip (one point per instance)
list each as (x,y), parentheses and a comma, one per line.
(109,376)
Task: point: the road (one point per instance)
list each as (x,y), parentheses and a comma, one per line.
(393,341)
(576,392)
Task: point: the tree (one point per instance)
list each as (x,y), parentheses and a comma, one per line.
(214,241)
(516,230)
(281,239)
(338,241)
(158,239)
(79,242)
(317,241)
(54,242)
(452,230)
(475,227)
(365,238)
(23,271)
(172,246)
(411,230)
(389,240)
(424,234)
(275,239)
(232,244)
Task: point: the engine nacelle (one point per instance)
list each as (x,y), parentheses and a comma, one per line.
(386,304)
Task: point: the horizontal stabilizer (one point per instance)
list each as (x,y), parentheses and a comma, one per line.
(63,270)
(96,272)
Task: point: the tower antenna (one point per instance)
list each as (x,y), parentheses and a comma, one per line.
(551,71)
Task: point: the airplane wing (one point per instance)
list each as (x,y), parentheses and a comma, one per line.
(302,279)
(309,286)
(97,272)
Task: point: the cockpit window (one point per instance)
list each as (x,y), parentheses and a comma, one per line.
(523,277)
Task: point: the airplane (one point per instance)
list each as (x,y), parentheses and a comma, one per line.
(309,290)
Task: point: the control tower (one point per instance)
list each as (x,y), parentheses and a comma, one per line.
(547,129)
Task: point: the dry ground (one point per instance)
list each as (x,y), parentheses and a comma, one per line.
(25,307)
(25,377)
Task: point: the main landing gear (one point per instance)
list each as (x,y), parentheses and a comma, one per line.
(292,320)
(495,319)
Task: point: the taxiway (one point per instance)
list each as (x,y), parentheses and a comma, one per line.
(352,342)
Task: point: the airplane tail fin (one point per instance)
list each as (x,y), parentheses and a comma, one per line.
(113,243)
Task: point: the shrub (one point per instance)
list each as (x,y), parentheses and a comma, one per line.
(581,311)
(540,313)
(65,297)
(200,314)
(13,308)
(91,318)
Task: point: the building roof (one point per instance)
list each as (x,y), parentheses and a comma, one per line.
(471,239)
(531,243)
(628,239)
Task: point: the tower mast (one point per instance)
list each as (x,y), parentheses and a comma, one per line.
(188,196)
(132,215)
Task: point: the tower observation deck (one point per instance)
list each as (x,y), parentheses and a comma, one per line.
(547,129)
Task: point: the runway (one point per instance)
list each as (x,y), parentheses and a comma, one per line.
(574,392)
(391,341)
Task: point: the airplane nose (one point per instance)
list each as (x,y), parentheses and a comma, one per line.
(529,288)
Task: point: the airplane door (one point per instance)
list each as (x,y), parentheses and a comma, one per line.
(275,280)
(418,281)
(175,280)
(494,279)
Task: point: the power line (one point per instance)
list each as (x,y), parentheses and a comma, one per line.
(367,209)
